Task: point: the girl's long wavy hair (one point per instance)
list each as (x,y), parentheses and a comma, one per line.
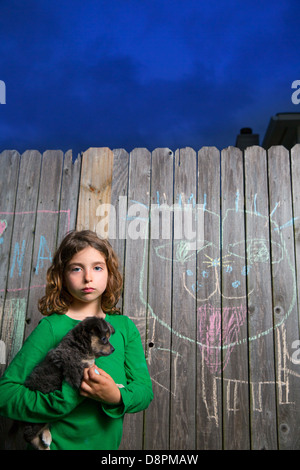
(57,298)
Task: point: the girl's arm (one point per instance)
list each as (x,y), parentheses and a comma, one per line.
(17,401)
(137,394)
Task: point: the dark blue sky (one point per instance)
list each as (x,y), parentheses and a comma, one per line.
(144,73)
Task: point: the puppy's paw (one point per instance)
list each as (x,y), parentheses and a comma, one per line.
(46,438)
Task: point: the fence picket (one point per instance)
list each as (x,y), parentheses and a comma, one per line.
(183,368)
(160,354)
(45,232)
(136,267)
(95,186)
(69,195)
(285,311)
(234,303)
(10,160)
(208,294)
(259,288)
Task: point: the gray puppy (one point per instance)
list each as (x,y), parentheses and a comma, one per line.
(80,347)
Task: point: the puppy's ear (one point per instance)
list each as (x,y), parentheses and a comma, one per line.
(55,357)
(111,328)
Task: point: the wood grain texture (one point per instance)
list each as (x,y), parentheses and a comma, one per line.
(183,369)
(45,232)
(234,304)
(284,290)
(259,290)
(10,161)
(69,195)
(208,295)
(136,267)
(95,186)
(160,355)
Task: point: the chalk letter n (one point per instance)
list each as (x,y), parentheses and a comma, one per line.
(19,258)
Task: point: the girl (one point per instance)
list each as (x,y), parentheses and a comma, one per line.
(82,281)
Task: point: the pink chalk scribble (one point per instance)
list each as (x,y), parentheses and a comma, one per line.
(219,331)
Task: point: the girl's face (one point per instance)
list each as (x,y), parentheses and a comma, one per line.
(86,276)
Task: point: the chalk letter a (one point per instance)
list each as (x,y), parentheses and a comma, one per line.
(42,255)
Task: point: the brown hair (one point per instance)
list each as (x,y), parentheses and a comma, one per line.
(57,299)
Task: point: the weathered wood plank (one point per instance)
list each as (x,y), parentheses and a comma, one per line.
(21,252)
(285,312)
(208,294)
(10,160)
(46,228)
(183,371)
(260,318)
(69,195)
(136,267)
(95,186)
(295,169)
(160,299)
(234,303)
(117,222)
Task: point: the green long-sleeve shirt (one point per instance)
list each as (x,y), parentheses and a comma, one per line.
(78,422)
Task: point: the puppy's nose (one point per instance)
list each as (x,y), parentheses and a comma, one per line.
(112,349)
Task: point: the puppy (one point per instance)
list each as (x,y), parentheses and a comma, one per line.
(80,347)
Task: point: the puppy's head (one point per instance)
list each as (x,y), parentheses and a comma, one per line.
(98,332)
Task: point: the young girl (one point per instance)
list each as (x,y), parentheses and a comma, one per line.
(82,281)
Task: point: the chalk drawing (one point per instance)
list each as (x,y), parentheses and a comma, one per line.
(234,315)
(216,326)
(3,226)
(19,248)
(18,257)
(256,253)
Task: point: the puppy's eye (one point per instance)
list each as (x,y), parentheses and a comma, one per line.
(103,339)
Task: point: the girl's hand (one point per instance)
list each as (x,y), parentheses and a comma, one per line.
(100,386)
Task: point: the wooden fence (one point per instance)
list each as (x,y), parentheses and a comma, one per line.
(219,318)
